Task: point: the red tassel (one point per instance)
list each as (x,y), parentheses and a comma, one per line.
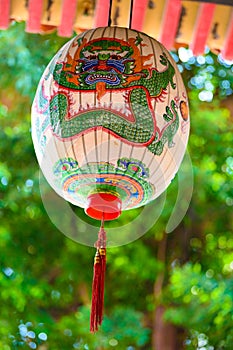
(98,281)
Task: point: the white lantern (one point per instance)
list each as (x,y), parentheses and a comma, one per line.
(110,116)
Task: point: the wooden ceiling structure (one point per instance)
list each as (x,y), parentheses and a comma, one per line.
(175,23)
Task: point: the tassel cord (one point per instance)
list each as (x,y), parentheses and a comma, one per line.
(98,281)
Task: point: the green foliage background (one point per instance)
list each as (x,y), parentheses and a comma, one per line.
(45,278)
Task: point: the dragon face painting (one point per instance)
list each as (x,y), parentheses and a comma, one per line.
(119,83)
(110,61)
(105,61)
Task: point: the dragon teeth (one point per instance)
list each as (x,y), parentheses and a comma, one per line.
(97,76)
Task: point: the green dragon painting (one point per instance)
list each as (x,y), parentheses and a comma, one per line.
(108,70)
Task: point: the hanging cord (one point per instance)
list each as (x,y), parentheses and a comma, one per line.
(110,14)
(131,14)
(98,280)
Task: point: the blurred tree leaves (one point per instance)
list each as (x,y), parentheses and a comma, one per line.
(201,290)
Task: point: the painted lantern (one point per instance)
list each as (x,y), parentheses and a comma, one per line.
(110,116)
(110,121)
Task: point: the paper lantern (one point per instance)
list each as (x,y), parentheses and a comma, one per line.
(110,125)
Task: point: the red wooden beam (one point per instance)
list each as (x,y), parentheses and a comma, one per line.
(170,22)
(4,14)
(227,52)
(35,8)
(202,28)
(67,18)
(101,13)
(138,14)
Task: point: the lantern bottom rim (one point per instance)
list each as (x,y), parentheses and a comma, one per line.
(103,206)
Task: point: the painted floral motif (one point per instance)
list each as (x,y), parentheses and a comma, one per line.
(128,180)
(134,167)
(64,166)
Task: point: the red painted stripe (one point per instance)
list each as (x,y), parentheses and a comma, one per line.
(202,28)
(4,14)
(101,13)
(138,14)
(35,8)
(227,52)
(170,23)
(67,18)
